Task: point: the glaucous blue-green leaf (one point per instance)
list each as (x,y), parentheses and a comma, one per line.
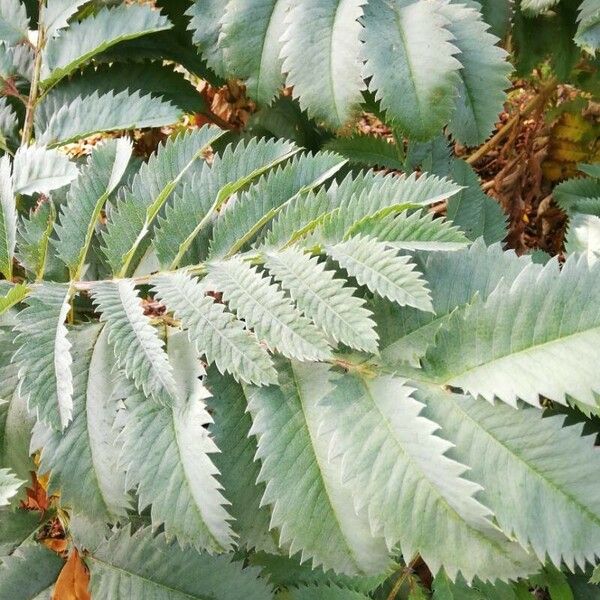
(414,495)
(140,565)
(8,218)
(167,455)
(57,14)
(322,58)
(366,150)
(310,506)
(9,486)
(14,23)
(412,63)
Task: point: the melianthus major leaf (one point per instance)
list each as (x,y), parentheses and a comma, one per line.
(537,6)
(57,14)
(14,23)
(265,308)
(135,342)
(382,271)
(237,465)
(86,198)
(251,46)
(9,486)
(84,39)
(44,355)
(417,92)
(310,506)
(37,169)
(325,300)
(193,208)
(519,456)
(414,495)
(139,565)
(215,332)
(483,76)
(29,572)
(96,113)
(82,461)
(509,345)
(588,30)
(166,454)
(138,205)
(33,235)
(323,61)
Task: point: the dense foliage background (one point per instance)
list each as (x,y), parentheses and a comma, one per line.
(299,299)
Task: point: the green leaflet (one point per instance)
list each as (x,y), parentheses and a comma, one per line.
(365,150)
(84,39)
(43,342)
(14,23)
(138,206)
(382,271)
(27,572)
(16,526)
(142,566)
(33,235)
(537,6)
(166,453)
(519,456)
(135,342)
(483,76)
(325,300)
(37,169)
(239,224)
(57,14)
(8,218)
(14,295)
(193,208)
(588,30)
(413,494)
(324,592)
(9,486)
(216,333)
(455,279)
(82,461)
(96,113)
(512,347)
(417,88)
(85,200)
(251,45)
(205,24)
(410,230)
(310,507)
(264,307)
(323,61)
(237,465)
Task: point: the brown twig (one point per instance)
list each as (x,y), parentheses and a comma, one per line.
(535,103)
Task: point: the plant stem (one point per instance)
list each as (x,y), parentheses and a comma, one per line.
(535,103)
(35,80)
(406,571)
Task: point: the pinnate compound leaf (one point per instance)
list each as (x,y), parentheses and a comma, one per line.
(166,453)
(325,300)
(137,347)
(323,61)
(86,198)
(44,355)
(82,461)
(411,62)
(142,566)
(97,113)
(8,218)
(139,205)
(14,23)
(9,486)
(518,456)
(28,572)
(82,40)
(414,495)
(382,271)
(311,508)
(37,169)
(215,332)
(513,347)
(264,307)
